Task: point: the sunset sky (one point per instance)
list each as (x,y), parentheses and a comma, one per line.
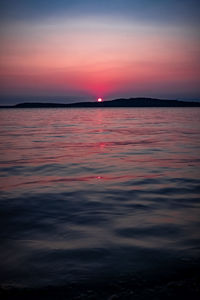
(85,49)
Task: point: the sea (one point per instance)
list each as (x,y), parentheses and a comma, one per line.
(96,194)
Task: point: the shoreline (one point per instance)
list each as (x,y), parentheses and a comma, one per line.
(182,284)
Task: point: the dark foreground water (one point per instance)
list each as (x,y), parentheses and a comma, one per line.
(93,194)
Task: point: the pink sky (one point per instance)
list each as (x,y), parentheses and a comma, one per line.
(99,57)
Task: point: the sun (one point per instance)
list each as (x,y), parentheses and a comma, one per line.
(99,100)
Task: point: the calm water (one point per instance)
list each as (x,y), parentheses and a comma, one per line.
(93,193)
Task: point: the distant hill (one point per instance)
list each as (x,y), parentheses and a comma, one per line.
(132,102)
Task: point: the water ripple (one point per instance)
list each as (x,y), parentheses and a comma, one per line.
(88,193)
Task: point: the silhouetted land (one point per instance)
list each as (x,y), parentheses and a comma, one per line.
(132,102)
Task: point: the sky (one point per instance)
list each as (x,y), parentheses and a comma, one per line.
(84,49)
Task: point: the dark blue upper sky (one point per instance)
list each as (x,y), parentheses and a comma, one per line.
(155,10)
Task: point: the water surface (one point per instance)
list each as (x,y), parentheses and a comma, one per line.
(96,193)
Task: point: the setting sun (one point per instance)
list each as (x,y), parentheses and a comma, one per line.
(99,100)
